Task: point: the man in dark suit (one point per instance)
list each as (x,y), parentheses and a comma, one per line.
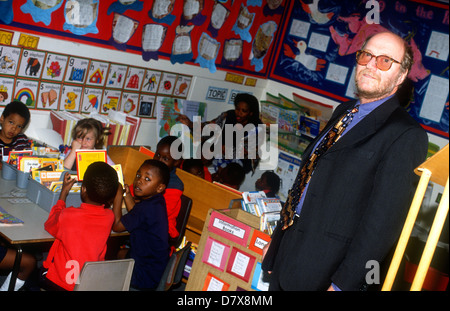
(353,208)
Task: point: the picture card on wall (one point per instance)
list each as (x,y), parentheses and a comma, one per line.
(229,228)
(6,90)
(116,76)
(110,100)
(146,105)
(54,67)
(167,83)
(92,98)
(240,264)
(26,92)
(129,102)
(213,283)
(151,81)
(48,97)
(97,73)
(71,96)
(215,253)
(31,64)
(134,79)
(9,59)
(77,69)
(182,86)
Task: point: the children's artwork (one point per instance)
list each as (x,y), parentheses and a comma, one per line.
(273,7)
(161,12)
(77,69)
(167,83)
(261,43)
(41,10)
(208,49)
(213,284)
(6,90)
(26,91)
(229,228)
(215,253)
(129,103)
(54,67)
(111,100)
(116,76)
(71,98)
(9,59)
(182,86)
(120,6)
(244,23)
(146,105)
(153,36)
(218,16)
(97,73)
(134,78)
(81,16)
(182,45)
(240,264)
(92,97)
(48,97)
(232,52)
(123,29)
(7,11)
(192,12)
(31,64)
(151,81)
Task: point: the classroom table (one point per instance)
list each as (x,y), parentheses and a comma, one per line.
(32,231)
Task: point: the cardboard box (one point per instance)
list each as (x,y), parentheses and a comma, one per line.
(130,158)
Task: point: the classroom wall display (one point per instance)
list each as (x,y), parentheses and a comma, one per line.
(46,80)
(181,31)
(318,43)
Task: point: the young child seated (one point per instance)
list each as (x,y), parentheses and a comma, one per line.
(147,223)
(175,187)
(194,167)
(232,175)
(87,134)
(269,182)
(80,233)
(27,265)
(14,119)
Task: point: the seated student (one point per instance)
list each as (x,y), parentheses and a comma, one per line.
(269,182)
(87,134)
(147,223)
(27,265)
(194,167)
(80,233)
(175,187)
(232,175)
(14,119)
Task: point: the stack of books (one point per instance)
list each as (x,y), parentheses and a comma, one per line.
(267,209)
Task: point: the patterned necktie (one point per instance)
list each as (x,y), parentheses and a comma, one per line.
(303,177)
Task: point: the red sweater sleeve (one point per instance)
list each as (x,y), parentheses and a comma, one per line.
(173,204)
(52,223)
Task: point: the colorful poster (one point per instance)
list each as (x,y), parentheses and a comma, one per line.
(48,97)
(54,67)
(6,90)
(71,98)
(26,92)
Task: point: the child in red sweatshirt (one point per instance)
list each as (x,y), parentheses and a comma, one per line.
(175,187)
(80,233)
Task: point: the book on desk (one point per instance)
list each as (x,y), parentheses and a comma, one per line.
(7,220)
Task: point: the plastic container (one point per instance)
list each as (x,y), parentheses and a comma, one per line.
(9,172)
(22,179)
(46,199)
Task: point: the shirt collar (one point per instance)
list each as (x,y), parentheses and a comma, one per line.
(367,108)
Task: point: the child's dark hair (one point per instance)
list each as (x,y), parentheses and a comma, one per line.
(17,107)
(232,174)
(101,182)
(163,170)
(272,180)
(252,103)
(191,163)
(168,140)
(86,125)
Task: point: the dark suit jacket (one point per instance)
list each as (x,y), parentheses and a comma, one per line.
(355,205)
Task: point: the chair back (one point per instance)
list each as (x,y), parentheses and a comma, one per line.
(110,275)
(174,270)
(182,219)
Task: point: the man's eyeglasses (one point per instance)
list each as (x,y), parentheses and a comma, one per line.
(383,62)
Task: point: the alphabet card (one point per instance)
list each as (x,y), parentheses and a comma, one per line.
(6,90)
(146,105)
(111,100)
(129,103)
(97,73)
(77,70)
(48,97)
(151,81)
(71,98)
(134,79)
(26,91)
(54,67)
(182,86)
(9,59)
(116,76)
(31,64)
(167,84)
(92,97)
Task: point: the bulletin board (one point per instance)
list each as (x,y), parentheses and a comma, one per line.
(229,253)
(319,40)
(203,32)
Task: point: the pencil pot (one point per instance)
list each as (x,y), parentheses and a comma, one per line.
(9,172)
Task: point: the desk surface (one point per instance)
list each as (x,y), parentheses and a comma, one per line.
(33,216)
